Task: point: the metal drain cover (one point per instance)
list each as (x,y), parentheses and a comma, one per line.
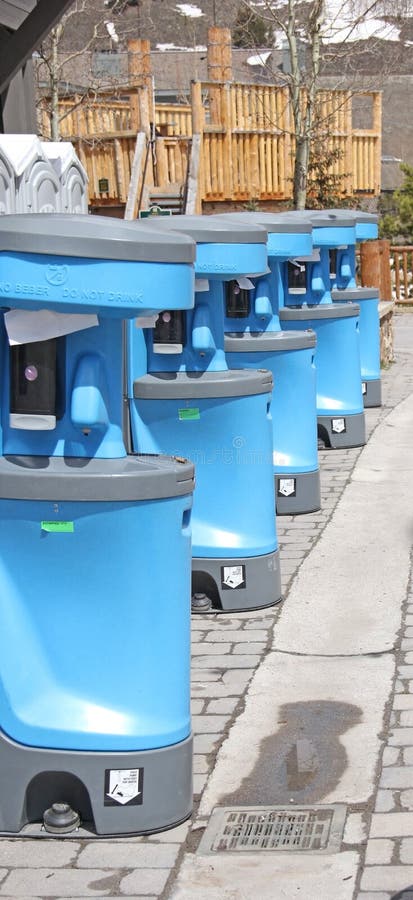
(315,829)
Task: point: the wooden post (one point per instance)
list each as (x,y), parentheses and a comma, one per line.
(348,151)
(136,176)
(219,54)
(135,81)
(370,264)
(196,108)
(226,54)
(140,75)
(385,273)
(375,266)
(196,168)
(228,175)
(377,127)
(144,112)
(219,58)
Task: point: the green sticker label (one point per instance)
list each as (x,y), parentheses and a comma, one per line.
(67,527)
(189,414)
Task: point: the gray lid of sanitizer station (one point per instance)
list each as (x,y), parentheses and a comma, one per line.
(203,385)
(354,294)
(129,478)
(94,237)
(355,215)
(322,311)
(319,218)
(269,341)
(212,229)
(274,223)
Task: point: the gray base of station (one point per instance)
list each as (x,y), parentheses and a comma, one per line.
(33,778)
(238,585)
(297,493)
(372,393)
(340,432)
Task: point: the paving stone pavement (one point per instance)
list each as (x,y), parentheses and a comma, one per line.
(226,651)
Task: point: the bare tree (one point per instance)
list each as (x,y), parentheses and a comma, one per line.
(53,59)
(311,31)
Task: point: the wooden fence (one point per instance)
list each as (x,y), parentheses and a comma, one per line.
(245,134)
(401,268)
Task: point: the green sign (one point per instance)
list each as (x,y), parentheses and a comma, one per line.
(66,527)
(103,185)
(189,415)
(154,211)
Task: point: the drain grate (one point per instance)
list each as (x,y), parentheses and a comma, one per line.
(317,829)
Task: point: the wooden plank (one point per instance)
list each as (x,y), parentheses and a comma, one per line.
(120,171)
(214,53)
(144,112)
(220,167)
(263,175)
(240,155)
(397,273)
(192,202)
(268,164)
(377,124)
(255,170)
(214,165)
(277,149)
(135,76)
(201,179)
(347,125)
(137,167)
(207,164)
(246,108)
(197,108)
(226,54)
(227,167)
(162,174)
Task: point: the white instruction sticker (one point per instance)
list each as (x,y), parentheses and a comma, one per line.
(286,487)
(338,425)
(29,326)
(233,577)
(123,786)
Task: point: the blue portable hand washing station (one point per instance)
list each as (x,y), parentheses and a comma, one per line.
(95,544)
(340,413)
(219,418)
(253,338)
(344,288)
(343,259)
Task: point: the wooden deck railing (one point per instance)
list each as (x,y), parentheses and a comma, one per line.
(401,265)
(245,137)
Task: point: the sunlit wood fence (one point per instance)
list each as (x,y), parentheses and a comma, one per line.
(401,268)
(244,135)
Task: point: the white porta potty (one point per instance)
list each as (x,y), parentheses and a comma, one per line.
(36,184)
(72,175)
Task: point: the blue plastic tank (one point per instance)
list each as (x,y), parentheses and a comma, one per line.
(219,418)
(95,544)
(344,288)
(308,304)
(253,338)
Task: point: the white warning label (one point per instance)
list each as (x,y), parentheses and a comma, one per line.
(338,425)
(363,387)
(233,577)
(286,487)
(123,786)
